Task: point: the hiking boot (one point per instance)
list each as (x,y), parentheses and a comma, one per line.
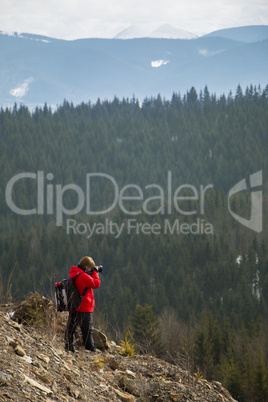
(93,349)
(69,348)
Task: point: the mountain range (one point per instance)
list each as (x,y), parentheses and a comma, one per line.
(36,69)
(163,31)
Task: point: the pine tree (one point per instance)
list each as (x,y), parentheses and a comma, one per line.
(145,329)
(260,381)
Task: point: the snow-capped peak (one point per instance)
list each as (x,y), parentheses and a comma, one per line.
(133,31)
(163,31)
(170,32)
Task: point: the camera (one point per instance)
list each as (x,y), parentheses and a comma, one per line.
(98,268)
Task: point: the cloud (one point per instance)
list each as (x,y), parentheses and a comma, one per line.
(71,19)
(206,53)
(159,63)
(22,89)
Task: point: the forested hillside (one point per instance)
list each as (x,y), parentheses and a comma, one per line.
(82,68)
(188,258)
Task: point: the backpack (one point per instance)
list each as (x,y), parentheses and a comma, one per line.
(67,296)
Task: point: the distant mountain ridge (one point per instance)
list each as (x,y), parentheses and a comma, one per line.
(250,34)
(166,31)
(35,69)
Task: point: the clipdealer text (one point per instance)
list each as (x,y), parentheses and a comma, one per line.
(151,200)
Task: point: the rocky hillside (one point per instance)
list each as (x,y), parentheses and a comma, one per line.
(35,367)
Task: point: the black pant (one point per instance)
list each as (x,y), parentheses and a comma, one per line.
(85,321)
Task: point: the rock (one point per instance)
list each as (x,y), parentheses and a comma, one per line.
(42,377)
(37,385)
(70,367)
(68,377)
(128,385)
(4,378)
(19,351)
(125,397)
(130,373)
(9,340)
(13,343)
(101,341)
(15,325)
(113,363)
(27,359)
(44,358)
(112,344)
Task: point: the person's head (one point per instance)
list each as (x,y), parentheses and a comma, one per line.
(87,262)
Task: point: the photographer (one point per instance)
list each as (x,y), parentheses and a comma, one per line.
(87,280)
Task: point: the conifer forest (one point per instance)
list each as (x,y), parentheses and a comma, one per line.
(162,193)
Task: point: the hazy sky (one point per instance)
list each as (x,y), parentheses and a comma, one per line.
(71,19)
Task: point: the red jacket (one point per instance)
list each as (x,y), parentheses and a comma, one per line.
(85,281)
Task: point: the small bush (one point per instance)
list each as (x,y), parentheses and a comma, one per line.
(98,363)
(127,349)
